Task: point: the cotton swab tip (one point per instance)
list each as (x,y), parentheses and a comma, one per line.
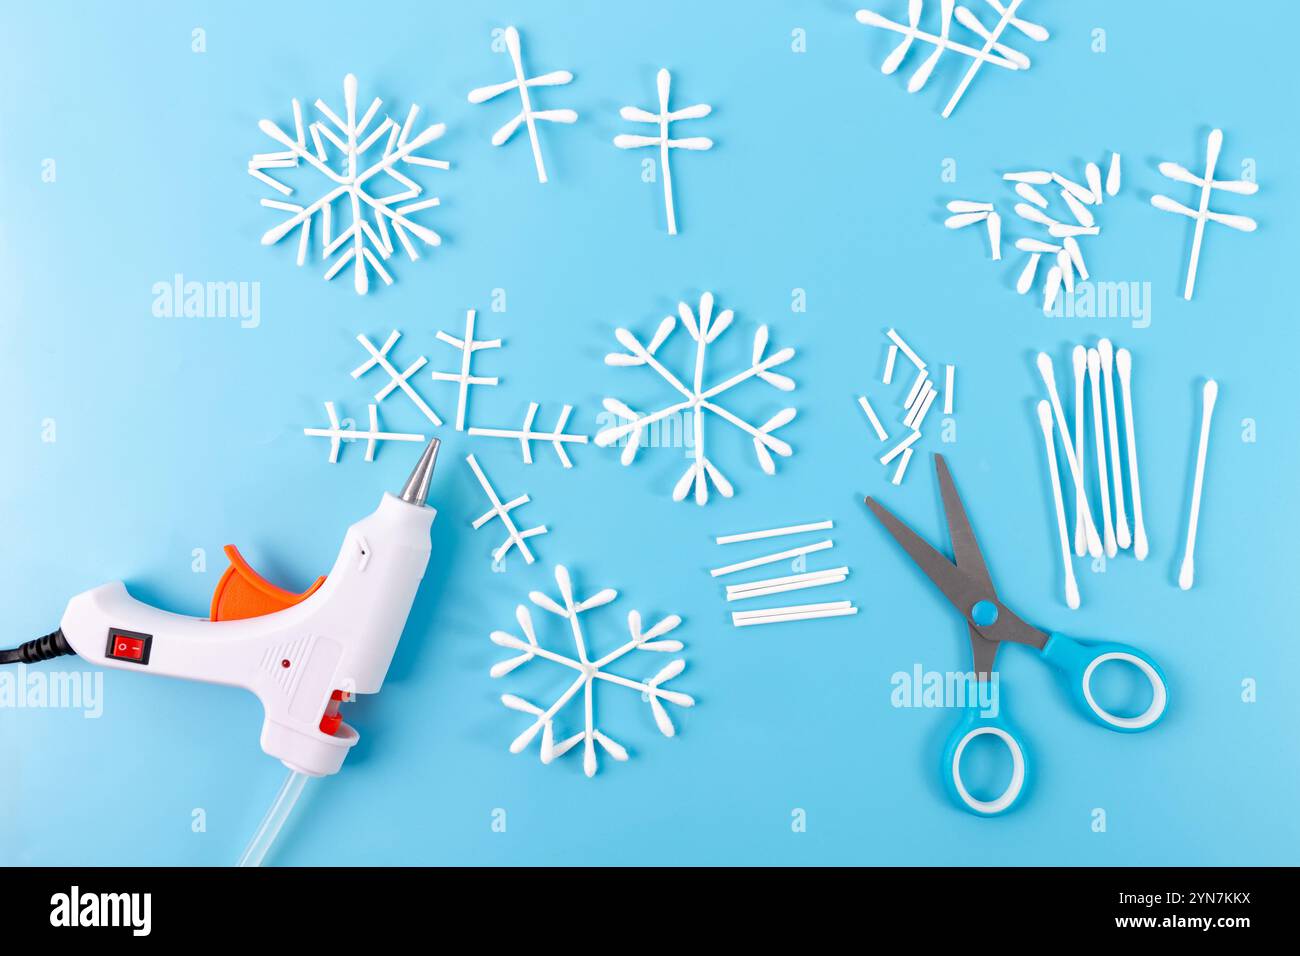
(1187,574)
(1045,367)
(1210,394)
(1045,416)
(1072,594)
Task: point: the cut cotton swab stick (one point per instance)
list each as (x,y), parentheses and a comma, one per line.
(871,417)
(1071,586)
(917,385)
(889,365)
(906,349)
(774,533)
(771,558)
(804,582)
(1103,482)
(1079,357)
(902,466)
(1209,394)
(921,399)
(1107,353)
(898,449)
(797,612)
(947,389)
(919,418)
(841,572)
(1076,469)
(1124,365)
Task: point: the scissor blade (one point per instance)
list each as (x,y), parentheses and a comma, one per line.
(965,548)
(957,586)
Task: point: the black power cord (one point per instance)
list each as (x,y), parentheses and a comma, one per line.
(44,648)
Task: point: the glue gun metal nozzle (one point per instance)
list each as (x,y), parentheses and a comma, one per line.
(416,489)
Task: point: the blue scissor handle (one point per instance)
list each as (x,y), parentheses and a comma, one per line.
(975,723)
(1078,661)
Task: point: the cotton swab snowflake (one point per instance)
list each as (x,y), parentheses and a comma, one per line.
(337,434)
(993,51)
(527,115)
(699,398)
(662,119)
(589,671)
(1207,184)
(352,172)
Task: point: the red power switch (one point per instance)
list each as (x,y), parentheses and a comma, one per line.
(128,645)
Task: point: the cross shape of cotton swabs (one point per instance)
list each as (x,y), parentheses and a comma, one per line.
(663,141)
(993,50)
(1207,184)
(526,115)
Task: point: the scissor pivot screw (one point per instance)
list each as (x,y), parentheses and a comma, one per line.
(984,613)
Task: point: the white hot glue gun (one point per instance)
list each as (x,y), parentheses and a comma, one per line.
(301,654)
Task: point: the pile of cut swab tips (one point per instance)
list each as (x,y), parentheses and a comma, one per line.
(799,581)
(921,393)
(1095,370)
(1064,222)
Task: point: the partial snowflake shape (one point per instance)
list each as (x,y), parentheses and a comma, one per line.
(699,398)
(589,671)
(352,172)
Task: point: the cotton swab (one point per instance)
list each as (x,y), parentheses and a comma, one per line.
(1071,586)
(774,532)
(1076,470)
(1103,482)
(1209,394)
(1080,359)
(771,558)
(889,365)
(1124,365)
(871,417)
(1107,353)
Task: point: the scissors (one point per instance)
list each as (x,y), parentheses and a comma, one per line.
(965,582)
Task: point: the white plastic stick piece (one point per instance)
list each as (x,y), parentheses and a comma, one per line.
(871,417)
(697,398)
(925,408)
(772,558)
(526,435)
(1209,394)
(1103,481)
(774,533)
(992,42)
(902,467)
(359,164)
(663,140)
(1076,469)
(890,358)
(1113,175)
(1124,365)
(1071,586)
(905,348)
(337,434)
(805,581)
(901,447)
(918,386)
(1207,184)
(514,537)
(526,116)
(806,576)
(797,612)
(926,391)
(1079,359)
(1107,353)
(947,389)
(468,346)
(589,669)
(993,51)
(379,358)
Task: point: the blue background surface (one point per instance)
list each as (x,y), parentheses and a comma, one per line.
(176,434)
